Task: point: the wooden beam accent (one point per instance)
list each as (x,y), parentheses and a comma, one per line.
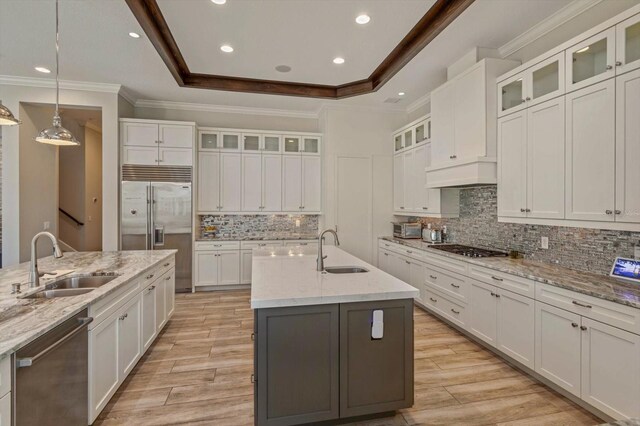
(437,18)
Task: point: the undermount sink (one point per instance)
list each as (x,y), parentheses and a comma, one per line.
(73,285)
(345,269)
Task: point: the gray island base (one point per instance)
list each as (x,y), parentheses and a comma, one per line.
(329,362)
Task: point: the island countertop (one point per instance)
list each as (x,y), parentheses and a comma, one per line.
(23,320)
(283,277)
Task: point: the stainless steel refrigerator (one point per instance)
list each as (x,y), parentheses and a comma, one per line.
(156,214)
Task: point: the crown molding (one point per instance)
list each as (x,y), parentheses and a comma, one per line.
(12,80)
(187,106)
(570,11)
(127,96)
(421,101)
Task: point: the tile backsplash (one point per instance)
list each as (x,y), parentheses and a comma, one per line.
(589,250)
(270,226)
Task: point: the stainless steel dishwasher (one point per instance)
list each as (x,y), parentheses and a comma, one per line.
(51,377)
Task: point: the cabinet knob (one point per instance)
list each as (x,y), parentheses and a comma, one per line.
(493,294)
(609,67)
(618,211)
(528,210)
(521,101)
(574,325)
(407,262)
(583,327)
(454,311)
(454,286)
(433,277)
(608,211)
(425,208)
(618,64)
(527,98)
(433,300)
(523,210)
(150,276)
(453,156)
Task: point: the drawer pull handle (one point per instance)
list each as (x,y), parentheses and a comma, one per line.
(167,279)
(409,251)
(574,325)
(454,311)
(407,262)
(386,254)
(433,300)
(580,304)
(583,327)
(167,264)
(493,294)
(151,288)
(496,278)
(150,276)
(454,286)
(122,317)
(433,277)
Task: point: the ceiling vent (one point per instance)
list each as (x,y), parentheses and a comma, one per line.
(392,100)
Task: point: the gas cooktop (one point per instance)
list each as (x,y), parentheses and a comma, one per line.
(469,251)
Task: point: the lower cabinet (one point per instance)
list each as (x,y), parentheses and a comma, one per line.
(317,363)
(596,362)
(217,267)
(245,266)
(149,330)
(129,336)
(5,409)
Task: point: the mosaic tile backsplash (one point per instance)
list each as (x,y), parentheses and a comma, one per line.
(263,226)
(589,250)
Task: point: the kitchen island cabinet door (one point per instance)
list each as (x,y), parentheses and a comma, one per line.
(103,364)
(610,369)
(170,294)
(148,316)
(129,337)
(161,300)
(229,267)
(289,391)
(376,374)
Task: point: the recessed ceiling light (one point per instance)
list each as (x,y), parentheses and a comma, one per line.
(363,19)
(43,69)
(400,93)
(226,48)
(134,35)
(338,60)
(219,1)
(283,68)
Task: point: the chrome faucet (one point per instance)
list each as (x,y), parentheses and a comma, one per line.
(321,258)
(34,274)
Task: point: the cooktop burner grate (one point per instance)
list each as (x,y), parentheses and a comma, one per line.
(469,251)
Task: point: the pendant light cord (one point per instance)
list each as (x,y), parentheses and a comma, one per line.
(57,62)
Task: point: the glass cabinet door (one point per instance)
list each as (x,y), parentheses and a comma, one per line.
(311,145)
(408,138)
(250,142)
(591,61)
(209,140)
(398,142)
(292,144)
(429,129)
(421,136)
(230,141)
(547,80)
(272,143)
(511,95)
(628,45)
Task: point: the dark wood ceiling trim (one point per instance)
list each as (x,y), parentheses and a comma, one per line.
(437,18)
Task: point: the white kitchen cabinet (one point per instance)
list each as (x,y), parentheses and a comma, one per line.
(470,104)
(161,299)
(421,194)
(292,144)
(229,267)
(610,369)
(516,326)
(417,272)
(175,156)
(272,183)
(140,155)
(628,45)
(129,336)
(252,142)
(175,135)
(272,143)
(483,321)
(511,94)
(170,294)
(230,182)
(149,329)
(208,182)
(139,134)
(261,182)
(5,410)
(443,127)
(591,61)
(229,141)
(558,346)
(245,266)
(590,153)
(312,185)
(103,364)
(398,142)
(408,179)
(398,182)
(310,145)
(304,145)
(292,183)
(628,146)
(208,140)
(384,262)
(217,267)
(251,182)
(512,164)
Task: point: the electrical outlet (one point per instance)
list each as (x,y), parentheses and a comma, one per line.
(46,225)
(544,242)
(297,223)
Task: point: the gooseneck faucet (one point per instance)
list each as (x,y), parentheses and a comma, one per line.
(321,258)
(34,274)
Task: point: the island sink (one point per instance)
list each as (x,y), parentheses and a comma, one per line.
(73,285)
(345,269)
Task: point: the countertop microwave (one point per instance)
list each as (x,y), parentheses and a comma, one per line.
(407,230)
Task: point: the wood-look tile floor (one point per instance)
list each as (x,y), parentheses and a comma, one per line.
(199,372)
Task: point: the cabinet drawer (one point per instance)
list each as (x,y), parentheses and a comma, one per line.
(217,245)
(5,376)
(403,250)
(452,265)
(248,245)
(450,283)
(103,308)
(523,286)
(615,314)
(453,311)
(166,266)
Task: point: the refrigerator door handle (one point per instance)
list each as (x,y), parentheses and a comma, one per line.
(158,235)
(152,202)
(147,238)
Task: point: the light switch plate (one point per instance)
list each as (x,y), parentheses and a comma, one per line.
(544,242)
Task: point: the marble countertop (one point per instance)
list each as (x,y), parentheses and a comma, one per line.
(599,286)
(283,277)
(23,320)
(262,238)
(629,422)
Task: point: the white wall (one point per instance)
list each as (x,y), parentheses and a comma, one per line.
(12,96)
(360,133)
(71,177)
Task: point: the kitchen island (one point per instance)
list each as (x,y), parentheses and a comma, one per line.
(328,346)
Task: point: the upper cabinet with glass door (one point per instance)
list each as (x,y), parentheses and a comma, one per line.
(251,142)
(305,145)
(272,143)
(416,133)
(591,61)
(216,140)
(422,131)
(628,45)
(538,83)
(398,142)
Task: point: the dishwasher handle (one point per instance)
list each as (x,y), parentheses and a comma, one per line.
(28,361)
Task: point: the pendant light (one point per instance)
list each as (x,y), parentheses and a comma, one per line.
(57,135)
(6,117)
